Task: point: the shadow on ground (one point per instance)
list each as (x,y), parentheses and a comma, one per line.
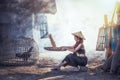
(35,72)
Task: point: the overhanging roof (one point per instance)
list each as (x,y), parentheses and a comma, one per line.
(31,6)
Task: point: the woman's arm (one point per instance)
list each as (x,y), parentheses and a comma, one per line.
(74,50)
(67,47)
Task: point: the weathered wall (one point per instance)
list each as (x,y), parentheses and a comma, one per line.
(16,33)
(17,27)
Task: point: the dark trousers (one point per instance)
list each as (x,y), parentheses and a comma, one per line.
(74,60)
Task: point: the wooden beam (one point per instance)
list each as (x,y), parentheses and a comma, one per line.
(52,41)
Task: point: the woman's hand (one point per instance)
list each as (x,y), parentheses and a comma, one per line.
(63,48)
(66,48)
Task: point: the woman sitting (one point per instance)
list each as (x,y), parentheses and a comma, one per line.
(77,58)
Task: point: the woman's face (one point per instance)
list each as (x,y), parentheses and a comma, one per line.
(76,38)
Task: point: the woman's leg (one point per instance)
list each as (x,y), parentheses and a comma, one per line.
(68,60)
(62,64)
(82,62)
(59,65)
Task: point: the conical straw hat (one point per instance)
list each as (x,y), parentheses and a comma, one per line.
(79,34)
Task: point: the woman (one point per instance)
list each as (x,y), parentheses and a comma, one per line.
(77,58)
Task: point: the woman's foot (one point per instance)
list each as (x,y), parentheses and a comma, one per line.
(56,68)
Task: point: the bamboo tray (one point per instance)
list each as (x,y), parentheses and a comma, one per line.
(57,48)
